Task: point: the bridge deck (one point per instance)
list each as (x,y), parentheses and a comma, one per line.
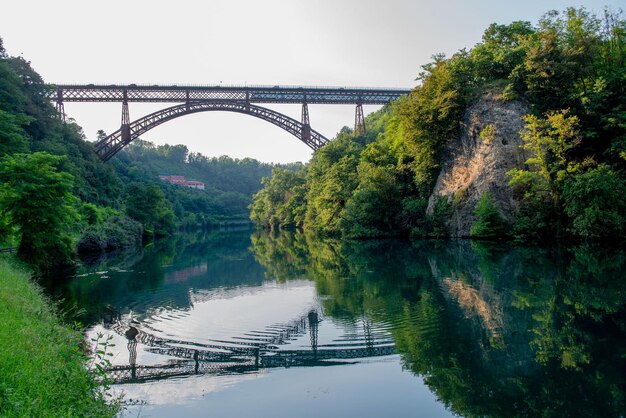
(250,94)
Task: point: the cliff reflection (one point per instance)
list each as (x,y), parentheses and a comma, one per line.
(493,331)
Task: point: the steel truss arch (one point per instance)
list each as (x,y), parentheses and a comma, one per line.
(112,144)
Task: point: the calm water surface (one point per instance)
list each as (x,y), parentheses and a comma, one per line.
(229,324)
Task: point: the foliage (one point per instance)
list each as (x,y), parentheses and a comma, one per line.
(488,133)
(488,223)
(596,203)
(230,183)
(374,209)
(281,202)
(147,205)
(549,140)
(332,177)
(12,136)
(113,233)
(38,201)
(442,210)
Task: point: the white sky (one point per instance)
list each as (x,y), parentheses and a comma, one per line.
(292,42)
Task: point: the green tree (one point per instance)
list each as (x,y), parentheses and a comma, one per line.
(281,203)
(36,197)
(549,141)
(596,203)
(488,222)
(100,135)
(374,208)
(501,50)
(331,181)
(12,136)
(147,205)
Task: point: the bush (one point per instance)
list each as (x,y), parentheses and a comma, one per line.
(596,204)
(116,233)
(488,223)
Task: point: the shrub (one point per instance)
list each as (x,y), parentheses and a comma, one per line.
(488,223)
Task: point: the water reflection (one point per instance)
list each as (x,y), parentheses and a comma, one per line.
(492,331)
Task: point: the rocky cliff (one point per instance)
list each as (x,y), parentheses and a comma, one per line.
(477,161)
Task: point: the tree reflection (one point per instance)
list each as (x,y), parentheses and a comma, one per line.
(493,331)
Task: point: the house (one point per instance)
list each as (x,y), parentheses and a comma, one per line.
(181,181)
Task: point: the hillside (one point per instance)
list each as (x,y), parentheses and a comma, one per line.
(523,136)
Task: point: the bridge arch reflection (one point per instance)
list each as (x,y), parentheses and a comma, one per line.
(246,354)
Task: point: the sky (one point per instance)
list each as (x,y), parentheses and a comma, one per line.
(347,43)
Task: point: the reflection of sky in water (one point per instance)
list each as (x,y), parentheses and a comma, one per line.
(378,388)
(217,315)
(226,315)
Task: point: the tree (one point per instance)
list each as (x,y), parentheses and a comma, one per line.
(281,202)
(100,135)
(37,199)
(12,137)
(549,141)
(502,49)
(596,203)
(331,181)
(147,204)
(3,52)
(374,207)
(488,223)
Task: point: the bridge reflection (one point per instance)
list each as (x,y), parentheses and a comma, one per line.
(248,353)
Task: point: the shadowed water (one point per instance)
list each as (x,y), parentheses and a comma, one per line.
(233,324)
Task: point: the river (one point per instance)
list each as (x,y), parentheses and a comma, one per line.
(244,323)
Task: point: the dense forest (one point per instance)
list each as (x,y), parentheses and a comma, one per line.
(569,70)
(57,197)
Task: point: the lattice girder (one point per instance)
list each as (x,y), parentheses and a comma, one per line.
(253,94)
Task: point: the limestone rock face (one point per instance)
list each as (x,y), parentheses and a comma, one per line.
(477,161)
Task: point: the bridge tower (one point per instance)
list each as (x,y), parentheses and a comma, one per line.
(60,106)
(125,126)
(306,125)
(359,120)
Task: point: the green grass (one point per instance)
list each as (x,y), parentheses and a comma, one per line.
(42,367)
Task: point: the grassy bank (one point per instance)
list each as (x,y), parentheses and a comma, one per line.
(42,371)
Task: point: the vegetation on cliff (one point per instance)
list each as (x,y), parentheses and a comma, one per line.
(568,69)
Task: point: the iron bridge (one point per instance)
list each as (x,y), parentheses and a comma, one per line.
(240,99)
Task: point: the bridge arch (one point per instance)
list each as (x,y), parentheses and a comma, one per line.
(112,144)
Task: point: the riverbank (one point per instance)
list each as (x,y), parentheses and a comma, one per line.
(42,369)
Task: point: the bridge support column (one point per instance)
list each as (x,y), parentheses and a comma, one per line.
(60,106)
(306,124)
(125,126)
(359,120)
